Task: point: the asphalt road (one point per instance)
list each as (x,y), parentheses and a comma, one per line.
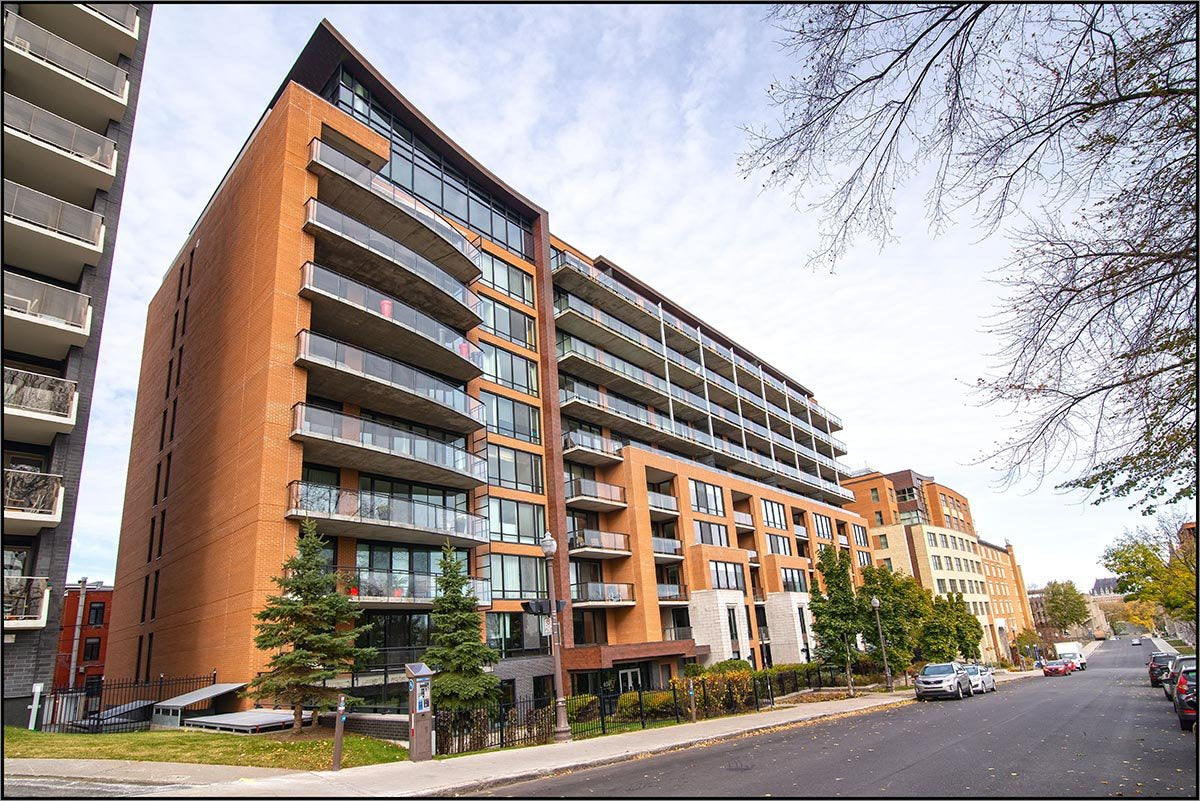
(1102,732)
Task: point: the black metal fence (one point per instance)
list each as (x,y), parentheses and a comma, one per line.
(525,721)
(108,706)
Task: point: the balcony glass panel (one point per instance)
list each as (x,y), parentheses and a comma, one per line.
(601,591)
(39,299)
(563,302)
(364,176)
(391,250)
(63,134)
(677,633)
(30,492)
(593,442)
(366,363)
(23,597)
(743,519)
(124,14)
(381,508)
(348,428)
(364,297)
(34,392)
(571,345)
(660,500)
(364,582)
(666,546)
(44,211)
(595,489)
(40,43)
(671,592)
(590,538)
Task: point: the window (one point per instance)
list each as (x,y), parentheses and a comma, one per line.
(779,544)
(145,596)
(958,564)
(707,498)
(508,369)
(774,514)
(945,542)
(937,562)
(941,586)
(162,531)
(512,633)
(137,662)
(883,542)
(506,323)
(150,544)
(508,467)
(860,535)
(170,369)
(711,533)
(96,613)
(875,495)
(503,277)
(517,577)
(590,627)
(511,418)
(731,619)
(727,576)
(174,416)
(157,480)
(149,653)
(91,649)
(154,598)
(932,538)
(166,487)
(179,367)
(864,558)
(906,494)
(823,526)
(162,432)
(879,518)
(516,521)
(794,580)
(887,563)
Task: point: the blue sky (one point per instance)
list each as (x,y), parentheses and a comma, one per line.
(623,122)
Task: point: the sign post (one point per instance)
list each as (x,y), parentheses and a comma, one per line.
(37,702)
(420,711)
(338,727)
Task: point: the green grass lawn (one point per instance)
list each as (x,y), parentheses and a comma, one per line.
(312,750)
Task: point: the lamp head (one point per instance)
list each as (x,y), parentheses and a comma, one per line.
(549,545)
(874,602)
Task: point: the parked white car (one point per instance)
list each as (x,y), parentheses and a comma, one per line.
(982,679)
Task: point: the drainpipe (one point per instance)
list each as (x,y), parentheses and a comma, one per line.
(78,629)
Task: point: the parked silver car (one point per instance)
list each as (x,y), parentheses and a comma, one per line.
(982,678)
(943,680)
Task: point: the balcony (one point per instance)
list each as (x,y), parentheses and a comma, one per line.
(764,634)
(366,255)
(26,601)
(336,438)
(338,370)
(752,555)
(594,496)
(760,597)
(585,447)
(32,501)
(597,287)
(743,521)
(37,407)
(650,426)
(351,310)
(65,78)
(662,506)
(675,633)
(389,588)
(366,195)
(666,550)
(843,540)
(56,155)
(353,513)
(48,235)
(672,595)
(42,319)
(593,544)
(105,29)
(800,531)
(601,594)
(579,318)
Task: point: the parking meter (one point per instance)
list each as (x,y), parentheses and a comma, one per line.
(420,711)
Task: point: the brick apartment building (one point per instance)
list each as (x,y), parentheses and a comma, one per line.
(368,327)
(83,636)
(925,529)
(72,74)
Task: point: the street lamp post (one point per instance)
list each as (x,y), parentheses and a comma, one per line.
(887,672)
(562,729)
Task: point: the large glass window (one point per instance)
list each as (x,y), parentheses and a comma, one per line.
(727,576)
(515,633)
(774,514)
(860,535)
(707,498)
(508,467)
(503,277)
(590,627)
(508,369)
(512,418)
(779,544)
(384,487)
(794,580)
(517,577)
(823,526)
(507,323)
(711,533)
(516,521)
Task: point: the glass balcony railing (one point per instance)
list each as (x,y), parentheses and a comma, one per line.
(660,500)
(675,633)
(800,531)
(24,597)
(45,46)
(39,124)
(353,430)
(591,488)
(666,546)
(758,594)
(31,492)
(752,554)
(565,302)
(403,585)
(592,442)
(35,392)
(322,500)
(44,211)
(597,591)
(318,348)
(124,14)
(572,346)
(350,228)
(672,592)
(604,540)
(843,540)
(744,519)
(334,159)
(39,299)
(764,634)
(364,297)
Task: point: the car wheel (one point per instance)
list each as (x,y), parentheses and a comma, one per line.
(1185,724)
(960,692)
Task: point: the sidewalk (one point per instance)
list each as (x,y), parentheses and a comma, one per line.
(126,771)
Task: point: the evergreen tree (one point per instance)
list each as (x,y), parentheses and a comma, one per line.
(310,628)
(458,652)
(837,612)
(903,607)
(967,630)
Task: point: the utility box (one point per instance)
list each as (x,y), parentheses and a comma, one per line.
(420,711)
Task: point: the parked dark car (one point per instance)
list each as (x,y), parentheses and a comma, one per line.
(1178,665)
(1185,698)
(1158,667)
(943,680)
(1056,667)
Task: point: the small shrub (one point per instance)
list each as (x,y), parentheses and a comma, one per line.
(731,666)
(582,708)
(693,669)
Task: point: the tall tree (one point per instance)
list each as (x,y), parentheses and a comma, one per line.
(903,606)
(837,612)
(1154,564)
(968,632)
(310,629)
(458,652)
(1079,121)
(937,640)
(1065,605)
